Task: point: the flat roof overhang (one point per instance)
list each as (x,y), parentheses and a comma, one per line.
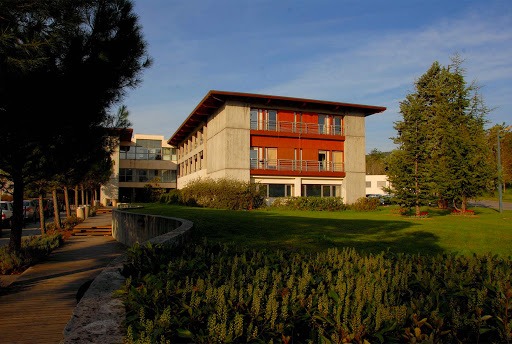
(215,99)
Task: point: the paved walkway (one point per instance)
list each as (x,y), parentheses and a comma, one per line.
(492,204)
(37,305)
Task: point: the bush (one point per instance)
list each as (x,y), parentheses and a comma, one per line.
(172,197)
(33,249)
(70,222)
(366,204)
(205,293)
(310,203)
(221,194)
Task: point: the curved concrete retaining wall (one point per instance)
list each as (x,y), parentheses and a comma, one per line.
(99,316)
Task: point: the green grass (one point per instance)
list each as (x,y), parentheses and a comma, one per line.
(369,232)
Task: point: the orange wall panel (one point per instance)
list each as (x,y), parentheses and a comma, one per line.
(285,116)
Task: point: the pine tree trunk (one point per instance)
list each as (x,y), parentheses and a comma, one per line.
(464,204)
(66,201)
(56,215)
(42,220)
(76,197)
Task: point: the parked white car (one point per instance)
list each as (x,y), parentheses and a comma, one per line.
(6,209)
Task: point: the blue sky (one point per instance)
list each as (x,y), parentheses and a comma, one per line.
(353,51)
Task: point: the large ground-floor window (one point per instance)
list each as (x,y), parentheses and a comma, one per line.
(276,190)
(318,190)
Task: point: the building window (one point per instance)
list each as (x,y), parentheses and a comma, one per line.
(272,120)
(168,176)
(337,128)
(276,190)
(312,190)
(315,190)
(369,184)
(321,124)
(381,184)
(271,161)
(142,175)
(126,175)
(263,119)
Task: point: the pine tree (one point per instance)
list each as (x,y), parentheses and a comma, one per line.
(443,154)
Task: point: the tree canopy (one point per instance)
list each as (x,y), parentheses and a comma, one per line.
(442,153)
(63,64)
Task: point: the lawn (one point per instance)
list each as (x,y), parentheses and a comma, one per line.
(369,232)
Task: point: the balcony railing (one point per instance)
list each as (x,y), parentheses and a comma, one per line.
(297,127)
(297,165)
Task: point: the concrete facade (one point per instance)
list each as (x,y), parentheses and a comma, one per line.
(290,146)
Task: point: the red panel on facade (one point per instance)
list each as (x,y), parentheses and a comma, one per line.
(285,116)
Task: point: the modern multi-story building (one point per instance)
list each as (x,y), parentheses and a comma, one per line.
(290,146)
(140,162)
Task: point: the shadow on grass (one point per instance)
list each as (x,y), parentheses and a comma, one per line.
(310,231)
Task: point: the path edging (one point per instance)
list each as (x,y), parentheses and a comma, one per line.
(99,316)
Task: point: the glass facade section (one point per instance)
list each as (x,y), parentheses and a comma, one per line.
(144,175)
(147,150)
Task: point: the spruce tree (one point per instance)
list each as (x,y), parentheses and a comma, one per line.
(442,142)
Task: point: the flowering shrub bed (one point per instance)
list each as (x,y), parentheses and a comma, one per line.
(460,212)
(205,293)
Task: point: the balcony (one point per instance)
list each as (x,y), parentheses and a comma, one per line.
(297,166)
(297,127)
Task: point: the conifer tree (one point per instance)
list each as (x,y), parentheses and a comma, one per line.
(442,142)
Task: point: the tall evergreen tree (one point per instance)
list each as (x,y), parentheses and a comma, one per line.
(408,167)
(63,64)
(448,117)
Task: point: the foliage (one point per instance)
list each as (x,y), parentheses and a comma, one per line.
(223,193)
(505,151)
(33,249)
(366,204)
(172,197)
(376,162)
(443,155)
(310,203)
(51,52)
(70,222)
(153,191)
(206,293)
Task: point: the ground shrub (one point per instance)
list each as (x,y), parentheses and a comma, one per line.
(310,203)
(221,194)
(172,197)
(70,222)
(211,293)
(33,249)
(365,204)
